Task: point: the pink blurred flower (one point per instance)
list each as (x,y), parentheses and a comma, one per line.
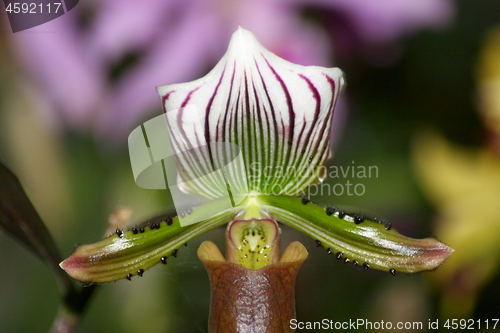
(373,29)
(172,41)
(74,59)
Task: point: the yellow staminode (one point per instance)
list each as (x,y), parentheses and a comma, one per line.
(253,243)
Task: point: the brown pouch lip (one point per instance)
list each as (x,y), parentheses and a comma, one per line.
(247,300)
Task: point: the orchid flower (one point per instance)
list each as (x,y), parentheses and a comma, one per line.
(272,115)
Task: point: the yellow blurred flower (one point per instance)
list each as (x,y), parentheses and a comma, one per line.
(464,184)
(488,75)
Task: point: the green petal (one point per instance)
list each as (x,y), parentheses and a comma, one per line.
(364,243)
(129,253)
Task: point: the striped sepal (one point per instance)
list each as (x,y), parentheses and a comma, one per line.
(278,115)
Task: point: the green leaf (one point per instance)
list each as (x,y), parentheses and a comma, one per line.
(129,253)
(364,243)
(20,219)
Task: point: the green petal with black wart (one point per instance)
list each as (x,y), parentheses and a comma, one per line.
(367,243)
(129,253)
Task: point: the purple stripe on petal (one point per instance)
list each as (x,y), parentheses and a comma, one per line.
(188,97)
(228,103)
(291,112)
(316,96)
(209,106)
(334,93)
(259,110)
(165,98)
(276,132)
(181,113)
(327,121)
